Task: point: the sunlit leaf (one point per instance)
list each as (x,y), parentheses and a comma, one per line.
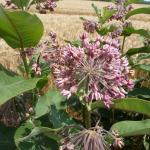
(20,29)
(43,106)
(12,84)
(132,128)
(127,104)
(144,67)
(106,14)
(145,10)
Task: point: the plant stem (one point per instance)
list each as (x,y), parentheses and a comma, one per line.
(122,49)
(86,117)
(24,59)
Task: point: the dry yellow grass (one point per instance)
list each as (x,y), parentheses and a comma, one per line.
(70,26)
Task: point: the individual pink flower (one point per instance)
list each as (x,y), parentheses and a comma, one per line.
(96,70)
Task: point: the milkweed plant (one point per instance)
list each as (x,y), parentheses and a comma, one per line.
(83,94)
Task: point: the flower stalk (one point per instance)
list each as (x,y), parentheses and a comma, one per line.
(86,117)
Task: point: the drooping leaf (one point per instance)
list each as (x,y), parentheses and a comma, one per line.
(127,31)
(59,118)
(145,10)
(142,32)
(43,106)
(20,29)
(144,67)
(142,57)
(28,136)
(52,133)
(12,84)
(23,131)
(132,128)
(134,51)
(127,104)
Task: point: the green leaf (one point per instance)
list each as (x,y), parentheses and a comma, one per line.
(75,43)
(60,118)
(23,131)
(144,67)
(97,11)
(104,30)
(132,128)
(43,106)
(22,3)
(142,92)
(12,84)
(20,29)
(106,14)
(52,133)
(134,51)
(127,104)
(133,1)
(26,136)
(127,31)
(142,32)
(145,10)
(142,57)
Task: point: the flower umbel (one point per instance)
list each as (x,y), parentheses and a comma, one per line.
(95,138)
(96,70)
(121,9)
(90,26)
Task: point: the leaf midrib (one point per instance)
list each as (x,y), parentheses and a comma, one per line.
(14,27)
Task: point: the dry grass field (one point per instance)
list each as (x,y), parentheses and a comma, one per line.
(65,21)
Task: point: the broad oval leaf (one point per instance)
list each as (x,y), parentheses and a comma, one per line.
(43,106)
(20,29)
(127,104)
(60,118)
(12,84)
(145,10)
(132,128)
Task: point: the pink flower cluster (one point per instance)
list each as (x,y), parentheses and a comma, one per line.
(90,26)
(121,9)
(51,5)
(96,69)
(36,68)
